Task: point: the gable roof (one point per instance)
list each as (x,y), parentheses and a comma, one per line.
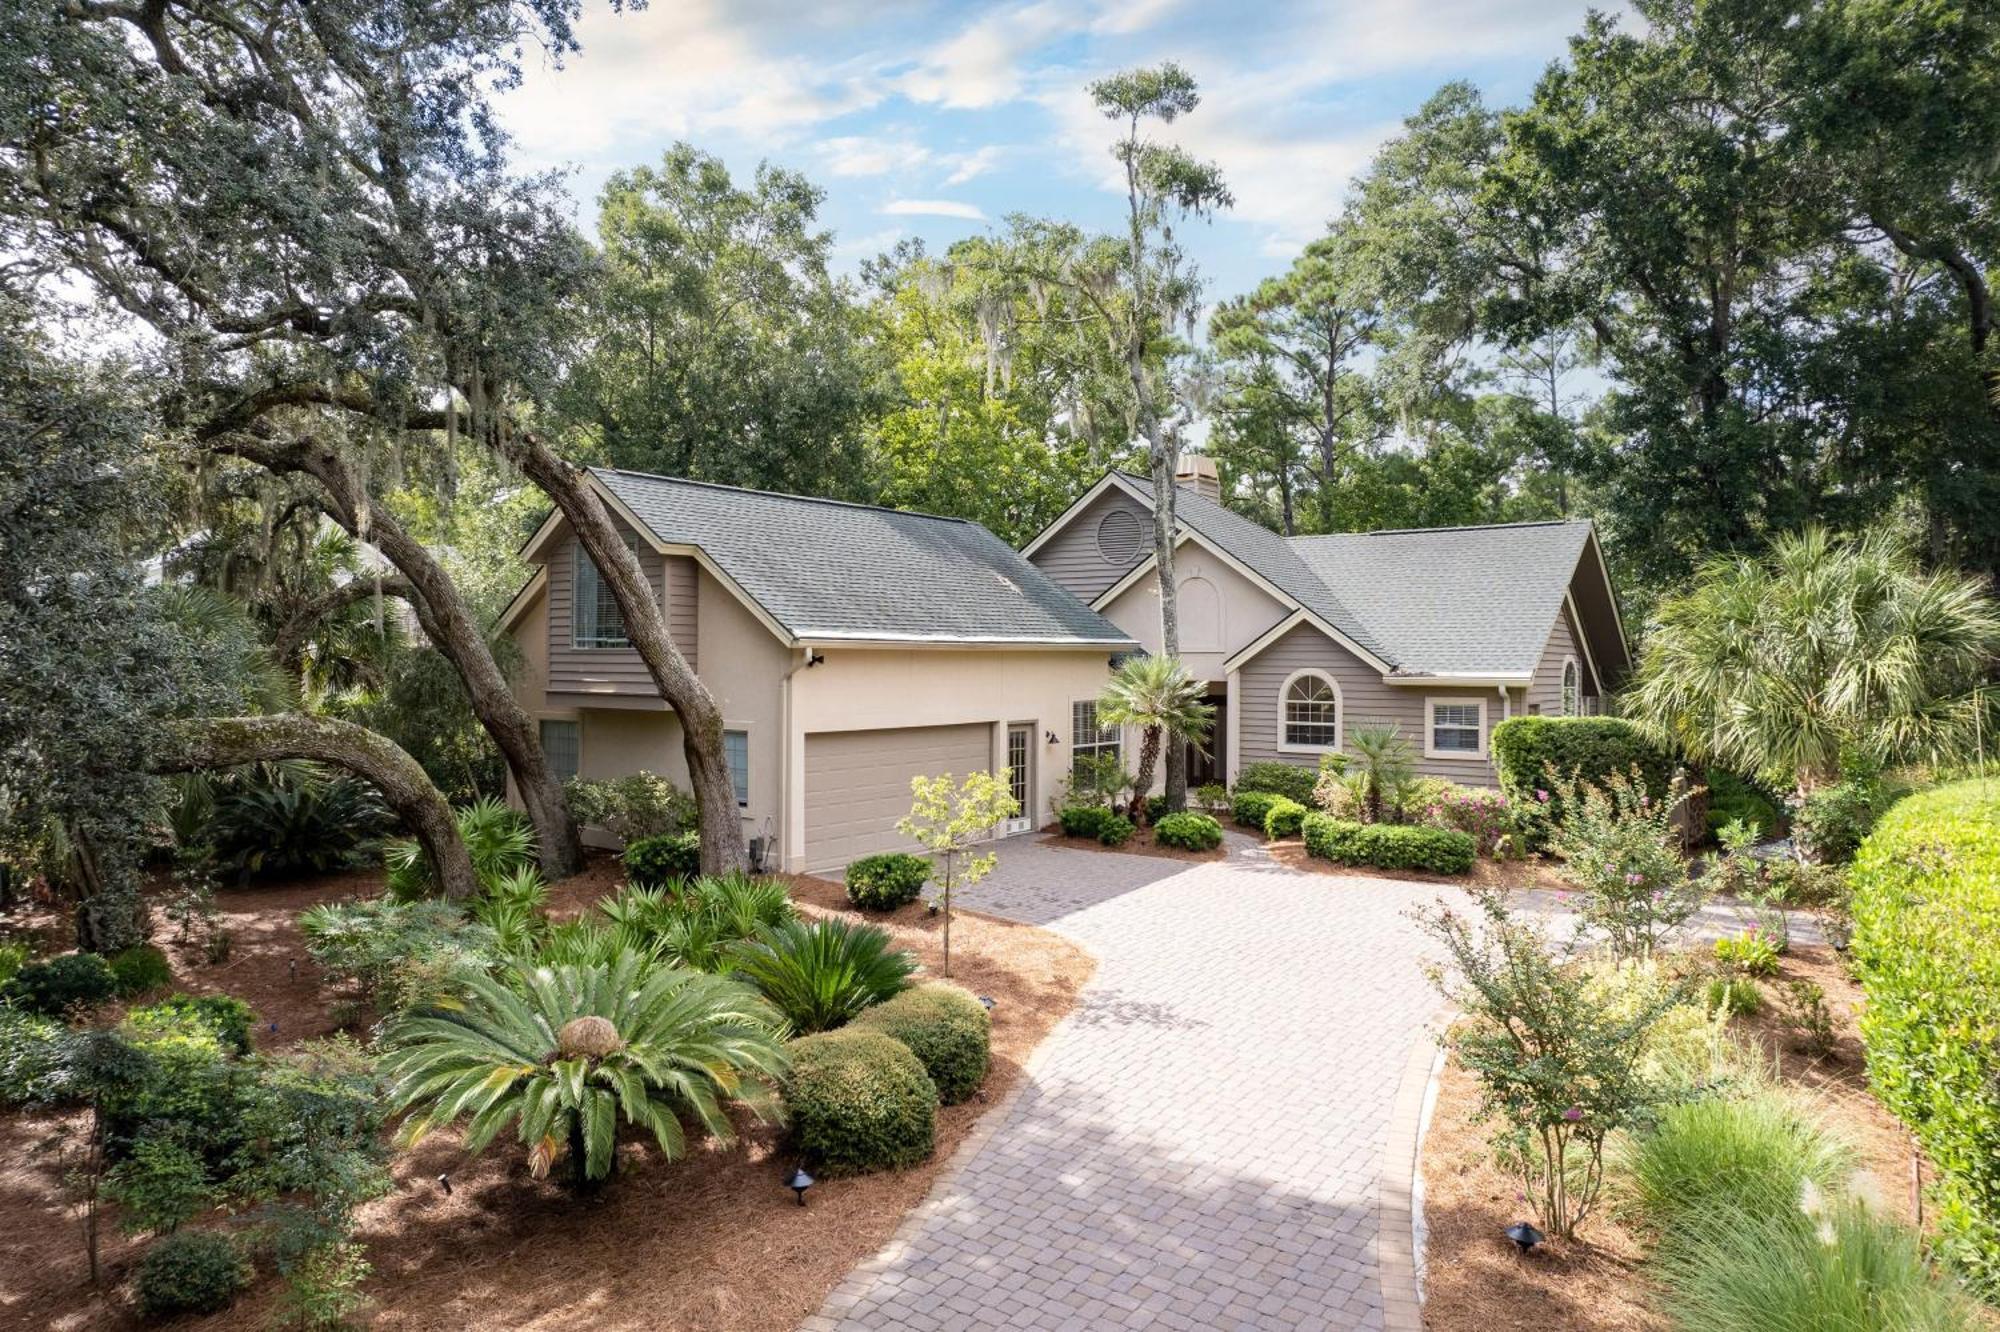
(827,569)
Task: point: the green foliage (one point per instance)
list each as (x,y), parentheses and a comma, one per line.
(945,1027)
(1733,996)
(668,858)
(1250,807)
(1749,954)
(1188,831)
(225,1017)
(886,881)
(1387,845)
(1586,750)
(1487,817)
(823,974)
(1621,850)
(1083,820)
(1156,808)
(1212,796)
(1927,946)
(1283,818)
(1115,830)
(632,808)
(1733,800)
(1806,1011)
(196,1272)
(291,818)
(1559,1070)
(1756,1152)
(404,954)
(13,956)
(497,837)
(323,1285)
(1159,696)
(159,1185)
(859,1100)
(1383,765)
(1286,779)
(1094,780)
(140,970)
(562,1053)
(512,905)
(32,1068)
(62,984)
(1830,824)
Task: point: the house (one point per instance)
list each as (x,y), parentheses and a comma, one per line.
(850,648)
(1442,633)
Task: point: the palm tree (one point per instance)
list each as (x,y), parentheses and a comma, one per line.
(1158,694)
(1384,762)
(563,1052)
(1775,665)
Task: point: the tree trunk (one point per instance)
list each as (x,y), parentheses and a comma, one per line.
(1142,784)
(224,742)
(450,625)
(646,628)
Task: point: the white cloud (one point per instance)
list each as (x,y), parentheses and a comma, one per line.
(981,66)
(966,166)
(933,208)
(860,155)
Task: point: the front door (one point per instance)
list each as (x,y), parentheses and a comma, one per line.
(1206,768)
(1020,777)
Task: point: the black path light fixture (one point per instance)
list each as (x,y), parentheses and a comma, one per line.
(799,1183)
(1524,1235)
(986,1002)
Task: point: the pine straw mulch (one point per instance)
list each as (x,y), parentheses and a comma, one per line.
(1141,843)
(710,1243)
(1475,1281)
(1528,872)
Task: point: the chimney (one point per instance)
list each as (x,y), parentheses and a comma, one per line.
(1197,472)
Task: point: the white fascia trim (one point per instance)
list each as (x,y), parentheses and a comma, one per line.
(1468,678)
(1062,519)
(1430,729)
(1339,713)
(523,599)
(880,640)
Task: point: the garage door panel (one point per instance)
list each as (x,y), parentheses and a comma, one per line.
(858,783)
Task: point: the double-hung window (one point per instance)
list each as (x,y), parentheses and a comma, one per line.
(1089,740)
(595,620)
(736,749)
(1455,728)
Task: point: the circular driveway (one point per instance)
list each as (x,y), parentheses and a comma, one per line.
(1202,1142)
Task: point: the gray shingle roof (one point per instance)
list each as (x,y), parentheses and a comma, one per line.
(1453,599)
(824,568)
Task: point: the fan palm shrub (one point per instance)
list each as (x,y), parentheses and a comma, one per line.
(561,1054)
(498,838)
(1774,666)
(1158,695)
(820,975)
(1381,764)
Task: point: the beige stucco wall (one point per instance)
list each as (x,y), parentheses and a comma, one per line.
(1246,611)
(860,688)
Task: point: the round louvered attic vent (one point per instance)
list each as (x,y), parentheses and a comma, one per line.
(1119,537)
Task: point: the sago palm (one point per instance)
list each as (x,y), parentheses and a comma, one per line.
(820,975)
(1775,665)
(1383,765)
(1158,695)
(563,1053)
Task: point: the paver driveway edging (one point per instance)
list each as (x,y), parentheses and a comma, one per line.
(1397,1245)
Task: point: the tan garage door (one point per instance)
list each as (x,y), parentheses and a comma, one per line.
(858,784)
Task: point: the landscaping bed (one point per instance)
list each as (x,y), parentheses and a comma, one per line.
(712,1241)
(1141,843)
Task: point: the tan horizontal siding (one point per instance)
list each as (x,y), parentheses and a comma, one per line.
(575,670)
(1545,690)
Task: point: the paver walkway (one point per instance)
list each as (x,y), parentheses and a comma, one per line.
(1202,1140)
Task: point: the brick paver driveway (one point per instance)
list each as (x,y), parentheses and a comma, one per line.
(1202,1140)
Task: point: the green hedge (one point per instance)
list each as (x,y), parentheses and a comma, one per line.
(945,1027)
(1250,807)
(1188,831)
(653,861)
(1588,748)
(1285,779)
(860,1101)
(1283,818)
(1389,845)
(886,881)
(1095,821)
(1927,944)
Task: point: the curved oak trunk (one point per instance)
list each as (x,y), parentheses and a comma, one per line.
(224,742)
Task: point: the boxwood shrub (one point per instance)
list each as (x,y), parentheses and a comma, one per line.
(1250,807)
(945,1027)
(1927,945)
(62,983)
(1588,748)
(860,1101)
(1285,779)
(1115,830)
(1283,818)
(653,861)
(141,970)
(1083,820)
(1388,845)
(1188,831)
(887,881)
(191,1272)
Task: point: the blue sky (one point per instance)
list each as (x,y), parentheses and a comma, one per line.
(938,119)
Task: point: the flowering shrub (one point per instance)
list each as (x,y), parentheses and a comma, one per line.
(1485,816)
(1750,953)
(1620,849)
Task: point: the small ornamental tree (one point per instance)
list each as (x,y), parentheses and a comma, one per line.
(947,819)
(1621,850)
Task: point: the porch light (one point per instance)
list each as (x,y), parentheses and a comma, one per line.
(1050,738)
(799,1183)
(1524,1235)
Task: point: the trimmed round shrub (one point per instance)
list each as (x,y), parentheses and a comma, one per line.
(141,970)
(67,981)
(1083,820)
(1156,808)
(191,1272)
(946,1028)
(1250,807)
(1285,779)
(1190,832)
(1283,818)
(1388,846)
(653,861)
(887,881)
(860,1101)
(1116,830)
(1587,749)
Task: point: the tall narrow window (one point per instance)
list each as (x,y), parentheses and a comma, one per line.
(736,749)
(1087,739)
(1572,691)
(1312,712)
(1018,738)
(595,619)
(562,741)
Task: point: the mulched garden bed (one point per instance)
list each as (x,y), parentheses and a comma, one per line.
(1533,872)
(711,1242)
(1141,843)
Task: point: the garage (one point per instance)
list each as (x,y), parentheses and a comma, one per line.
(858,784)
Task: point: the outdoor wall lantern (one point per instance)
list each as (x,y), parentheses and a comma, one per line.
(1050,738)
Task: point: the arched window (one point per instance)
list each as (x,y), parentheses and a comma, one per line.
(1309,711)
(1572,702)
(1201,615)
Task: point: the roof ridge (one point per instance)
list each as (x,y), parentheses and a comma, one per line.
(1450,527)
(785,495)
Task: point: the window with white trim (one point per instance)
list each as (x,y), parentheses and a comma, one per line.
(736,751)
(1456,728)
(1088,739)
(595,619)
(1311,706)
(562,741)
(1572,690)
